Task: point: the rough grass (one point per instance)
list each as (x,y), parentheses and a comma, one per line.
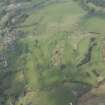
(55,37)
(94,24)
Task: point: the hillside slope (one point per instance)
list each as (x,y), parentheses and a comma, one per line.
(52,52)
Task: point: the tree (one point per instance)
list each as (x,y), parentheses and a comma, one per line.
(10,16)
(92,5)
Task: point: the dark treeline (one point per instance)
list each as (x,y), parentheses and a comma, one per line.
(92,5)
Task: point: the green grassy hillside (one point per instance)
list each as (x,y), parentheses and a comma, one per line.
(57,58)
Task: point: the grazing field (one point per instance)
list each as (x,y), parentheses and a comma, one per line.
(57,56)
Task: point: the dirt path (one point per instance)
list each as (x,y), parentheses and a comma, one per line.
(94,97)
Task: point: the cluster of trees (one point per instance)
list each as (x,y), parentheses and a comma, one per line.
(92,5)
(10,15)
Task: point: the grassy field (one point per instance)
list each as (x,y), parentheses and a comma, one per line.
(59,28)
(94,24)
(57,49)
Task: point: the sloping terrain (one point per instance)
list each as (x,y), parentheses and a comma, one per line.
(52,52)
(94,97)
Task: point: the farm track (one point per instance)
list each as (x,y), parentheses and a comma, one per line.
(94,97)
